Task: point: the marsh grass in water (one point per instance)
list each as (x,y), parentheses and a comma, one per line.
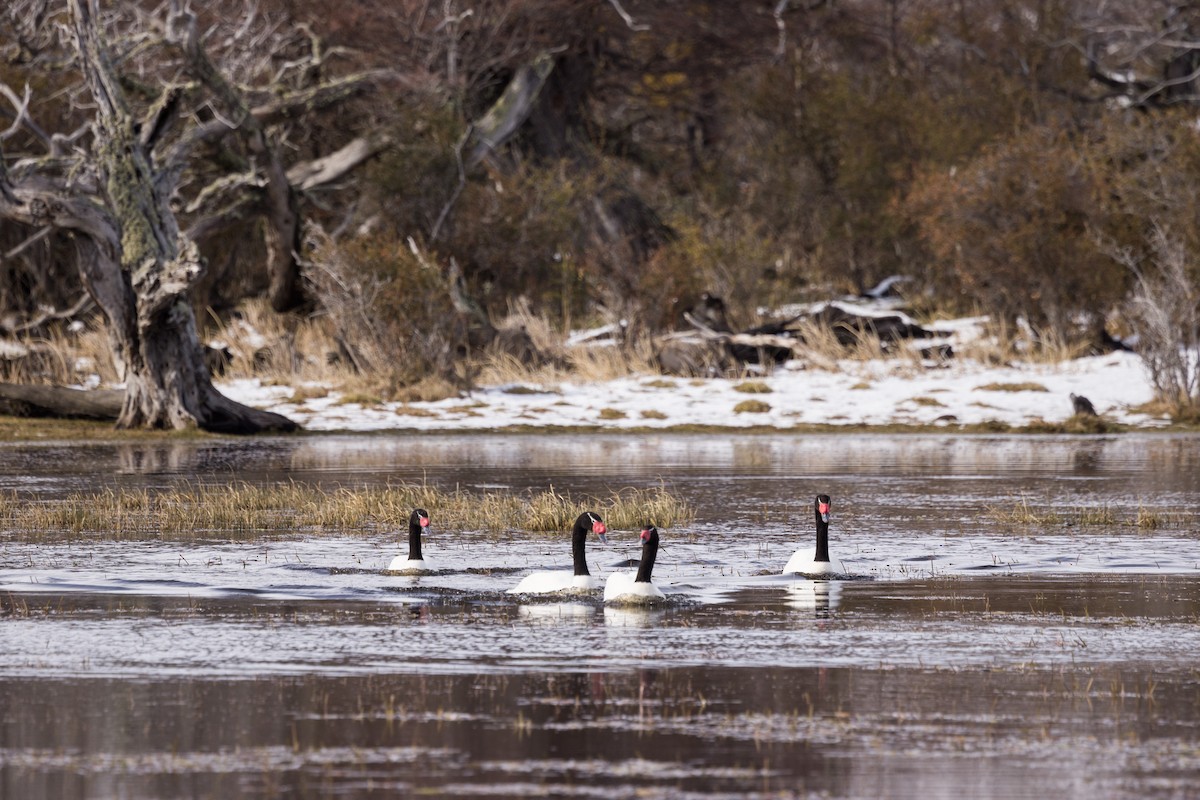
(1022,513)
(278,509)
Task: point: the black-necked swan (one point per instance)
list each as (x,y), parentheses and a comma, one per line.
(816,560)
(566,580)
(413,563)
(629,587)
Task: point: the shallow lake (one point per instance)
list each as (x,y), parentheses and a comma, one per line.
(968,656)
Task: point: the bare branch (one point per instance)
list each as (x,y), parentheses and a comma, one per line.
(39,203)
(245,189)
(25,245)
(625,16)
(236,183)
(45,315)
(161,116)
(317,97)
(781,26)
(21,104)
(329,168)
(512,109)
(60,143)
(462,182)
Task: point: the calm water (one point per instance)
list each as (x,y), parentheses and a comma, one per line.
(967,657)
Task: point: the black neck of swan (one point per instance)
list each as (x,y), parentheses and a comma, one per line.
(578,541)
(649,553)
(822,552)
(414,540)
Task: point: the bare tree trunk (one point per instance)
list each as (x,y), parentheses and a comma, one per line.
(117,186)
(143,290)
(285,290)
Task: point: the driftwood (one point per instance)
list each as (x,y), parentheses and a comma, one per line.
(707,352)
(767,344)
(58,401)
(715,347)
(691,355)
(778,347)
(849,327)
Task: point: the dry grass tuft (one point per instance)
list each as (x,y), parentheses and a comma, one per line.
(279,347)
(820,346)
(594,362)
(63,357)
(752,387)
(1155,408)
(361,399)
(308,392)
(751,407)
(1028,386)
(1004,344)
(409,411)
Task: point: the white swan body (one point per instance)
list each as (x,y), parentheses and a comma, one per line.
(636,588)
(557,580)
(622,588)
(411,566)
(563,580)
(803,562)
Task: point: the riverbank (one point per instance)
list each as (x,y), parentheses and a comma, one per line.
(891,394)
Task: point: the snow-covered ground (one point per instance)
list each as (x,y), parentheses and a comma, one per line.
(881,392)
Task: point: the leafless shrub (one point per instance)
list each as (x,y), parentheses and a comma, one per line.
(348,301)
(1165,314)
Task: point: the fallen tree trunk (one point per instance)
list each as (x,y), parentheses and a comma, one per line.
(58,401)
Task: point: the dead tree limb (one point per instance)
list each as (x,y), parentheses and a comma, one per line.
(60,402)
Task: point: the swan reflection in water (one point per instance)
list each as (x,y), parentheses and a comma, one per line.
(632,616)
(820,597)
(554,612)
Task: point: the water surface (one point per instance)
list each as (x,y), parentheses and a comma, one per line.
(966,657)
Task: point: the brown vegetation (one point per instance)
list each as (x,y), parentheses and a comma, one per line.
(553,165)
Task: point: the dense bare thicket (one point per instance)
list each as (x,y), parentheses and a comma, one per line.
(605,161)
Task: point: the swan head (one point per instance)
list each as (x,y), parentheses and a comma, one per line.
(420,518)
(823,507)
(648,532)
(590,519)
